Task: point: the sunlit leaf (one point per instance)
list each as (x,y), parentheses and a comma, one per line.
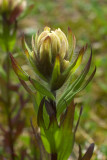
(79,58)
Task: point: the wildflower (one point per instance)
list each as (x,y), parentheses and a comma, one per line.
(11,9)
(51,59)
(51,45)
(10,5)
(51,56)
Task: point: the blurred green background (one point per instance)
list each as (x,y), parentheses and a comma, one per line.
(88,21)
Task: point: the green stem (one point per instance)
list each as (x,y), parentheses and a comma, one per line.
(6,31)
(8,107)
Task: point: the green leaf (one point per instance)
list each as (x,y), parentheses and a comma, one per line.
(55,73)
(73,66)
(71,95)
(74,88)
(31,56)
(72,43)
(71,69)
(67,143)
(37,98)
(34,44)
(27,88)
(53,136)
(18,70)
(66,134)
(39,87)
(25,46)
(31,61)
(81,78)
(79,58)
(35,104)
(69,117)
(40,119)
(63,104)
(88,80)
(46,134)
(12,41)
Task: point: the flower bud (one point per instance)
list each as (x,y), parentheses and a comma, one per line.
(19,3)
(51,56)
(7,6)
(3,5)
(51,44)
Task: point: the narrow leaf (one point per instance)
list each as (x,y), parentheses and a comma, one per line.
(73,66)
(39,87)
(32,63)
(78,120)
(33,44)
(69,117)
(70,95)
(89,153)
(34,131)
(77,82)
(24,44)
(18,70)
(88,80)
(61,106)
(81,78)
(31,56)
(79,58)
(27,88)
(40,119)
(72,42)
(50,109)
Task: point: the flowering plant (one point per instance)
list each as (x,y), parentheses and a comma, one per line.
(53,65)
(11,9)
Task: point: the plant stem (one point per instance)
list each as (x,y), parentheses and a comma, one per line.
(6,31)
(54,156)
(8,105)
